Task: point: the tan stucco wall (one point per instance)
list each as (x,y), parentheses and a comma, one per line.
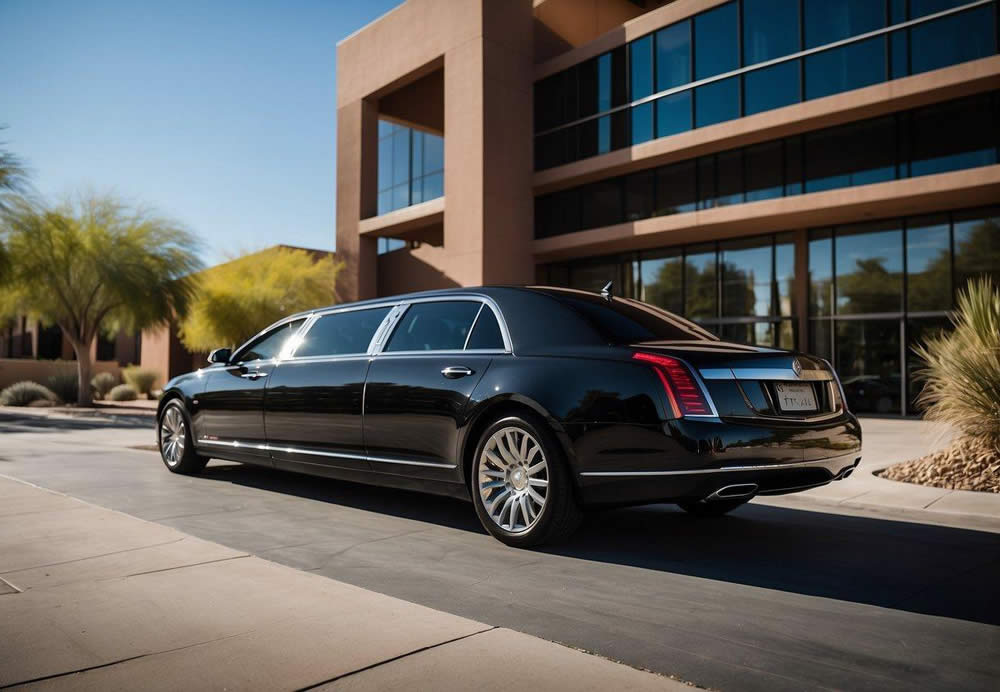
(486,50)
(19,369)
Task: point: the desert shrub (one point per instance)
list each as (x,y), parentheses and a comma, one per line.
(103,383)
(962,369)
(123,392)
(66,386)
(24,393)
(142,379)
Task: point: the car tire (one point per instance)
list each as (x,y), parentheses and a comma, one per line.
(517,462)
(174,440)
(716,508)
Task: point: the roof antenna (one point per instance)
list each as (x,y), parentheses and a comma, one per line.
(606,292)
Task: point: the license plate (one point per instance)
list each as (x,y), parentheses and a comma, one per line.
(795,397)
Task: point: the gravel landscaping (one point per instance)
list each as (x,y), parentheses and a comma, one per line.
(960,467)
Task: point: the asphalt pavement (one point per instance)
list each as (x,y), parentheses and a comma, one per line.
(803,594)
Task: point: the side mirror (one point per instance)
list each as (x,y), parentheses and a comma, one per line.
(220,355)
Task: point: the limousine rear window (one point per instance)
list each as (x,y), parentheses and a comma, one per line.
(342,333)
(486,332)
(624,321)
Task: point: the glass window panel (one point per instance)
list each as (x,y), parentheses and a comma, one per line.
(619,77)
(601,204)
(763,171)
(793,166)
(869,270)
(587,138)
(673,114)
(433,153)
(897,11)
(400,156)
(868,364)
(384,201)
(384,162)
(642,123)
(342,333)
(849,67)
(639,195)
(716,41)
(486,332)
(821,338)
(821,273)
(673,55)
(434,326)
(417,156)
(729,177)
(401,196)
(784,276)
(385,128)
(417,191)
(771,87)
(952,136)
(921,8)
(977,245)
(593,275)
(663,280)
(954,39)
(604,75)
(770,29)
(706,182)
(641,66)
(857,154)
(928,264)
(549,150)
(717,102)
(700,283)
(675,189)
(752,333)
(899,54)
(433,186)
(826,21)
(557,213)
(619,129)
(917,333)
(746,278)
(788,337)
(588,80)
(549,103)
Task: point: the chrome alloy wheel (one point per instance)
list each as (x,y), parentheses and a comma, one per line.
(172,436)
(513,479)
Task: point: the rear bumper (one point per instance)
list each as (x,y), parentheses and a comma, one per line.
(690,460)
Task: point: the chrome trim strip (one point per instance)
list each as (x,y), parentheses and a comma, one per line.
(756,66)
(770,374)
(236,444)
(846,458)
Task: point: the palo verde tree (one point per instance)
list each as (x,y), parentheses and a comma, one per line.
(237,299)
(94,264)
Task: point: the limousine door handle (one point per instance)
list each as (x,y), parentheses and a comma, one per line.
(253,374)
(453,372)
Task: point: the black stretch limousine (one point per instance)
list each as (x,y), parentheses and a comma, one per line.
(534,402)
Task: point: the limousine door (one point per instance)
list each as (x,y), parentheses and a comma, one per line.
(229,415)
(313,406)
(419,386)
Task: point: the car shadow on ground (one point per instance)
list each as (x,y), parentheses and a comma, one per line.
(903,565)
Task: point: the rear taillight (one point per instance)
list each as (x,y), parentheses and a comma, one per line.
(683,393)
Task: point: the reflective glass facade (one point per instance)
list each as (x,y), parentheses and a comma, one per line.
(948,136)
(680,77)
(739,289)
(410,166)
(875,290)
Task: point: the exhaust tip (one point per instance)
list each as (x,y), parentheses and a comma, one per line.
(731,492)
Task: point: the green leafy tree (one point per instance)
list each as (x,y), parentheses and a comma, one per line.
(237,299)
(94,264)
(13,177)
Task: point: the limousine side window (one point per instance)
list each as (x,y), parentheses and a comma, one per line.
(342,333)
(269,345)
(486,332)
(438,326)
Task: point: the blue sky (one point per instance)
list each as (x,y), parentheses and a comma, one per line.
(220,114)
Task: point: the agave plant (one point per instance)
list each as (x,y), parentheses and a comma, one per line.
(962,373)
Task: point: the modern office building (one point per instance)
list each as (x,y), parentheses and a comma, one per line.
(812,174)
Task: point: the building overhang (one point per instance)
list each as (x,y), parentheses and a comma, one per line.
(423,222)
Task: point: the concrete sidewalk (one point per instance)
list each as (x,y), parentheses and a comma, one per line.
(94,599)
